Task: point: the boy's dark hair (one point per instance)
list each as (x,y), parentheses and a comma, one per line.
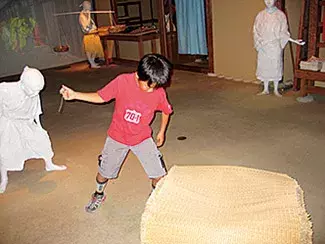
(155,68)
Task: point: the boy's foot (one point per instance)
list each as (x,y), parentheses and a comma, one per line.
(95,202)
(277,94)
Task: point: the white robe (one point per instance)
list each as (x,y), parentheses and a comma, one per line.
(270,37)
(21,137)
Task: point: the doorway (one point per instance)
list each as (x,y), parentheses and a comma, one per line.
(186,34)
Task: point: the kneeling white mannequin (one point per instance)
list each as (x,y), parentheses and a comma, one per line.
(21,134)
(271,35)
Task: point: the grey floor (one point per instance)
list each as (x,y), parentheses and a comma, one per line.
(225,124)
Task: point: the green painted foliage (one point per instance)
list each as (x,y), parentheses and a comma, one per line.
(16,31)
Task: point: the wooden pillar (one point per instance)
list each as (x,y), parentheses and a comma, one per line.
(151,12)
(162,27)
(113,20)
(209,30)
(153,46)
(114,8)
(301,36)
(313,28)
(93,3)
(140,48)
(303,87)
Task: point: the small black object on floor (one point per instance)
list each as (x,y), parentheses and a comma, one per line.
(181,138)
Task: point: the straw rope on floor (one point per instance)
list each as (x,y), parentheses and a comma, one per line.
(225,204)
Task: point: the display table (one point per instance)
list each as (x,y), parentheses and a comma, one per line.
(138,37)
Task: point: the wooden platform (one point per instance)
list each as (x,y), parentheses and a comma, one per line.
(307,82)
(310,30)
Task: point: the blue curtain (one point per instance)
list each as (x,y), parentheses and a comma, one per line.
(191,28)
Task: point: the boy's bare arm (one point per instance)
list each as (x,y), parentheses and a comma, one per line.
(89,97)
(164,123)
(69,94)
(162,131)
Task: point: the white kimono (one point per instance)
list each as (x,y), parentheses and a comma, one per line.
(270,37)
(21,135)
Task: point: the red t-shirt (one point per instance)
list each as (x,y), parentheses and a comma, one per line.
(134,109)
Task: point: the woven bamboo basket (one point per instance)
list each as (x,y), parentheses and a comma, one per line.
(225,205)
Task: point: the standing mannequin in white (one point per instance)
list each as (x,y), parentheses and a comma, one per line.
(92,44)
(271,35)
(21,134)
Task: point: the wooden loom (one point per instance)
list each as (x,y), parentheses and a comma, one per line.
(310,29)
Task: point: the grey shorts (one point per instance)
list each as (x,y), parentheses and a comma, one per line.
(114,154)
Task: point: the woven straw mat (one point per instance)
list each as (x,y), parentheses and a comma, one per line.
(225,204)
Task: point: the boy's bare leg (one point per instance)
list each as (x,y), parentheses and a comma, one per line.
(154,181)
(100,178)
(101,183)
(4,179)
(98,197)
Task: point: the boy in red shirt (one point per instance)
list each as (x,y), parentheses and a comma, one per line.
(137,96)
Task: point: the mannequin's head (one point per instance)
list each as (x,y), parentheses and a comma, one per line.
(270,3)
(86,5)
(31,81)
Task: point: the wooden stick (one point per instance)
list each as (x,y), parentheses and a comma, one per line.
(290,45)
(298,48)
(60,110)
(92,12)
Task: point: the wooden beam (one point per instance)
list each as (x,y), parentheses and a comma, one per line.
(315,90)
(92,12)
(310,75)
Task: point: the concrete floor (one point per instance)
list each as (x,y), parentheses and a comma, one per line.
(224,122)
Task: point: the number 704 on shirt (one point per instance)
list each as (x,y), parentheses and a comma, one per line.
(132,116)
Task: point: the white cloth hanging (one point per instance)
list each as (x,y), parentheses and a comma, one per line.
(21,134)
(270,37)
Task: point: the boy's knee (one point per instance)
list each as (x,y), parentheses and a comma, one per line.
(101,178)
(156,180)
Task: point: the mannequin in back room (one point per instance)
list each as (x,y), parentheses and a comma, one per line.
(271,35)
(92,44)
(22,136)
(170,15)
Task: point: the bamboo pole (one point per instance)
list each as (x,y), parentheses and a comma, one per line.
(92,12)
